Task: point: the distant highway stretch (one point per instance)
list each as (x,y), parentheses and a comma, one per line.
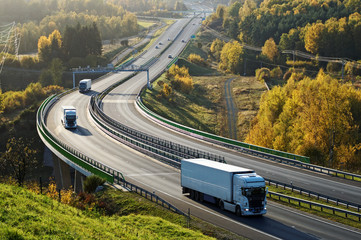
(279,222)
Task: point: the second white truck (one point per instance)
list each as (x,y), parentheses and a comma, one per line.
(69,117)
(85,85)
(232,188)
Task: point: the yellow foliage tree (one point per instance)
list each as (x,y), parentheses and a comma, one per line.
(319,118)
(270,49)
(231,57)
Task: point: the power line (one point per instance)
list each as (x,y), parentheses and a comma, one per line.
(9,37)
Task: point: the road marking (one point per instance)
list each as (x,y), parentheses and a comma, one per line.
(149,174)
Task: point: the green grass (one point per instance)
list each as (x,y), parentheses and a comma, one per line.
(146,24)
(246,93)
(196,70)
(202,109)
(25,215)
(205,107)
(338,217)
(347,177)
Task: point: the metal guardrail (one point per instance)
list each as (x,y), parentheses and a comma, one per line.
(153,197)
(95,167)
(326,198)
(230,143)
(314,206)
(270,154)
(156,145)
(73,155)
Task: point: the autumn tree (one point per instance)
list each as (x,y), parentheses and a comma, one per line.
(18,159)
(270,49)
(216,48)
(231,57)
(180,78)
(1,102)
(319,118)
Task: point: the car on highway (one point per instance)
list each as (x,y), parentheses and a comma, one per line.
(170,56)
(183,40)
(156,47)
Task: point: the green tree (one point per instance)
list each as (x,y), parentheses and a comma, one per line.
(18,159)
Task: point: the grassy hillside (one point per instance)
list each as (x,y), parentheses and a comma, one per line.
(26,215)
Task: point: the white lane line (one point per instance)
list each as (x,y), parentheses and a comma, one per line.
(206,210)
(149,174)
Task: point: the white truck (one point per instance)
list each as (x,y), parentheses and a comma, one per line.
(232,188)
(69,117)
(85,85)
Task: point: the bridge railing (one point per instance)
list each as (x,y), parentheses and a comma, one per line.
(109,174)
(279,156)
(309,193)
(73,155)
(315,206)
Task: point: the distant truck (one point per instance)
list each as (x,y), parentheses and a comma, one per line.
(232,188)
(69,117)
(85,85)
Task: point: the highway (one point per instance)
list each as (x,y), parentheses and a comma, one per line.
(279,222)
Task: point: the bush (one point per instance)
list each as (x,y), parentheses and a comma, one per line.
(263,74)
(196,59)
(276,73)
(29,62)
(91,183)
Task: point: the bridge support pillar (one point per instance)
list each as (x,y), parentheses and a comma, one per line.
(78,181)
(62,173)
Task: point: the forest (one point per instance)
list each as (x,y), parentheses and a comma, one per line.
(312,108)
(36,18)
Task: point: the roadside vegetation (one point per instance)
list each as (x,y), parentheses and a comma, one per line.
(108,214)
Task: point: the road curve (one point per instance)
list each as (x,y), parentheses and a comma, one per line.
(162,179)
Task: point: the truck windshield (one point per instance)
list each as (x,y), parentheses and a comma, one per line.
(70,117)
(82,85)
(254,192)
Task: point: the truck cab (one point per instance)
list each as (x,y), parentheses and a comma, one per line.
(69,117)
(249,194)
(84,85)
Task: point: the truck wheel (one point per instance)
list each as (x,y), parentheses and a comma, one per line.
(221,204)
(196,196)
(238,211)
(192,194)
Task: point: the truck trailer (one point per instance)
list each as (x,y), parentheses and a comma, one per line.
(69,117)
(232,188)
(85,85)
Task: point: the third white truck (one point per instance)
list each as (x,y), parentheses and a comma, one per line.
(232,188)
(85,85)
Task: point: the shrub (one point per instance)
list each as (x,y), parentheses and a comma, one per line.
(29,62)
(91,183)
(276,73)
(196,59)
(263,74)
